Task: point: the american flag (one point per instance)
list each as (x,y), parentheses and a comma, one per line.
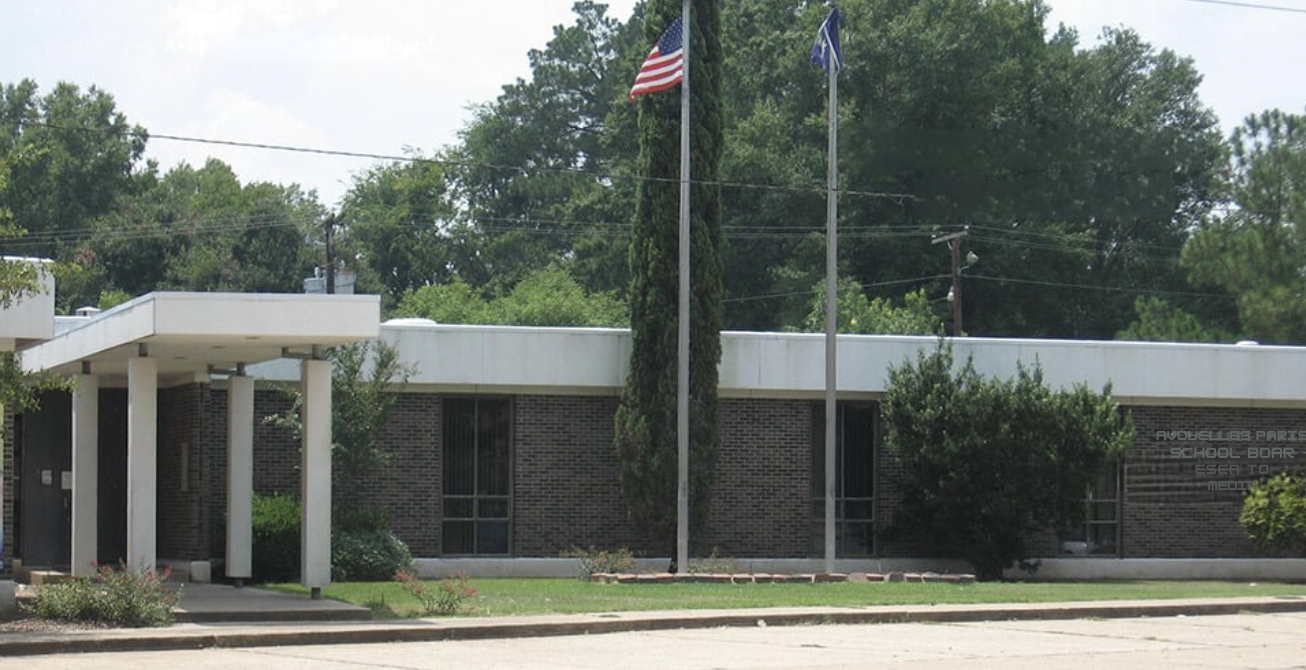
(665,65)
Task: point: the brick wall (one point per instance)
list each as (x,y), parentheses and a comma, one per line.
(1179,503)
(566,489)
(565,478)
(408,487)
(183,514)
(761,502)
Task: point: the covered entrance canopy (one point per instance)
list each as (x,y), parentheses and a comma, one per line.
(170,339)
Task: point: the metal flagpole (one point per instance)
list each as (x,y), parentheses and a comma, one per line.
(831,293)
(682,368)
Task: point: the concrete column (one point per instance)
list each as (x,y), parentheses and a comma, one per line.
(315,472)
(86,471)
(142,460)
(240,476)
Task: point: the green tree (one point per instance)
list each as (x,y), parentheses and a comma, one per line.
(16,279)
(1159,321)
(364,378)
(396,219)
(455,302)
(646,419)
(1256,251)
(1274,514)
(548,297)
(877,316)
(988,462)
(201,229)
(19,391)
(535,166)
(1075,166)
(80,159)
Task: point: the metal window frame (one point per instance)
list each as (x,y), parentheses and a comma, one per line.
(475,497)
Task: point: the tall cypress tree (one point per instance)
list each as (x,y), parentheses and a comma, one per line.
(646,419)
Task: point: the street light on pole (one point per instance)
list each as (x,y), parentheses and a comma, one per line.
(954,293)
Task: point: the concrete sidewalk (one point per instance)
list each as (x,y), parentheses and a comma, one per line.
(199,635)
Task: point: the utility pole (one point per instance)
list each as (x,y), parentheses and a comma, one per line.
(954,294)
(330,223)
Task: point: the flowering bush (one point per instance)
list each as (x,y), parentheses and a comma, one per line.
(131,597)
(447,598)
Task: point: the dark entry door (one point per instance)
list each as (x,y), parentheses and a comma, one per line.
(45,520)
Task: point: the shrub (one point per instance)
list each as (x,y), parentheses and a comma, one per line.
(601,560)
(986,463)
(355,518)
(447,598)
(367,556)
(276,537)
(1274,514)
(714,564)
(131,597)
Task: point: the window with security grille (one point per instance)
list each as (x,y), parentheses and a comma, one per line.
(854,501)
(476,459)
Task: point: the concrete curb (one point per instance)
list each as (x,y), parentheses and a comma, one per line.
(201,636)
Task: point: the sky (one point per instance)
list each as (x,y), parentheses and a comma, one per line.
(385,76)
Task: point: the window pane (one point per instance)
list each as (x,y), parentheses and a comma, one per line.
(458,537)
(459,451)
(492,508)
(495,440)
(458,508)
(492,537)
(1102,511)
(1104,486)
(818,451)
(858,451)
(477,469)
(855,539)
(1102,539)
(858,510)
(855,478)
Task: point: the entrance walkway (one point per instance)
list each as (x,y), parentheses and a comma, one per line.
(217,602)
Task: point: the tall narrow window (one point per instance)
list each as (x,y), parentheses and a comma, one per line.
(477,465)
(854,501)
(1100,534)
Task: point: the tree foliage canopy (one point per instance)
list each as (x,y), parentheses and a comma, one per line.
(988,462)
(547,297)
(1081,167)
(1256,251)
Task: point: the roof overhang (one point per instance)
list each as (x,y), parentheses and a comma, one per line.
(29,318)
(190,334)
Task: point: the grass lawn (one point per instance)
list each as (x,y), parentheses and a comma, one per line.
(502,597)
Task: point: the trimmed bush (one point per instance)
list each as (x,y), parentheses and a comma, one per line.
(276,538)
(368,556)
(1274,515)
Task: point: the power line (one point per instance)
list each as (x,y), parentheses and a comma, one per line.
(897,197)
(793,294)
(1091,287)
(1251,5)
